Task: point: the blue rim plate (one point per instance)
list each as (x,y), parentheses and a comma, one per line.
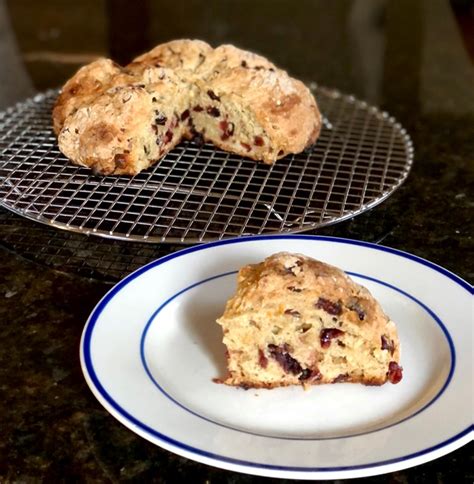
(151,348)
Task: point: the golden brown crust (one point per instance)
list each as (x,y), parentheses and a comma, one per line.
(184,54)
(88,82)
(270,114)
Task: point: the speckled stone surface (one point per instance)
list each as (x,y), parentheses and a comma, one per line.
(52,429)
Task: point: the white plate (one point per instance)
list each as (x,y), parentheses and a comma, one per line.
(151,348)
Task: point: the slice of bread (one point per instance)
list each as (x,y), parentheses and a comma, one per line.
(295,320)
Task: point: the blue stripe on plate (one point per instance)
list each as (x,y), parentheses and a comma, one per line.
(362,276)
(86,351)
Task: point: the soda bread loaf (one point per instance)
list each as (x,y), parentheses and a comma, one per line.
(295,320)
(121,120)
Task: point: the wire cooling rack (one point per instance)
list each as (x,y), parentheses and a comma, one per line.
(199,193)
(109,260)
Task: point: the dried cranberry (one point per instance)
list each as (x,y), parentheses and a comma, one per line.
(246,146)
(258,140)
(387,344)
(213,95)
(280,152)
(327,334)
(394,373)
(227,129)
(294,289)
(341,378)
(293,312)
(213,111)
(185,115)
(168,136)
(161,119)
(329,306)
(120,160)
(284,359)
(198,109)
(262,359)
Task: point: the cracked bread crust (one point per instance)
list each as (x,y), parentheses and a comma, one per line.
(227,57)
(89,82)
(295,320)
(237,100)
(185,54)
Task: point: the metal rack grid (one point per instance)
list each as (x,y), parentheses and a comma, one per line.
(109,260)
(199,193)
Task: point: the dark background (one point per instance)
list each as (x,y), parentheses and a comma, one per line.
(413,58)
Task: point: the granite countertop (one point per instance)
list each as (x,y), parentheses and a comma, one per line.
(408,57)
